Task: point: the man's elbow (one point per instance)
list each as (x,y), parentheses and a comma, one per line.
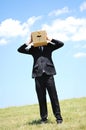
(62,44)
(18,50)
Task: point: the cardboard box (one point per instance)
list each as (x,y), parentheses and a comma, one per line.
(39,38)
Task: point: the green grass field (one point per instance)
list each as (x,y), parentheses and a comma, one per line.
(27,117)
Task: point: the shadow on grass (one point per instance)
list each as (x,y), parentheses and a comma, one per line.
(37,122)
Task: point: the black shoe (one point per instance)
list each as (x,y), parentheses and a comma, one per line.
(43,121)
(59,121)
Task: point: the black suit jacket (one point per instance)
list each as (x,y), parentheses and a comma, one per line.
(42,59)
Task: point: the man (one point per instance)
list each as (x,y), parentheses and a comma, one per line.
(43,72)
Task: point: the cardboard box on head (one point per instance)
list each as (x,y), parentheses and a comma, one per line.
(39,38)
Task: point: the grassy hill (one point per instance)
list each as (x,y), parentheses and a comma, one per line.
(27,117)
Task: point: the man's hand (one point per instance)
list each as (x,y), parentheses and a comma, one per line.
(31,40)
(29,44)
(48,39)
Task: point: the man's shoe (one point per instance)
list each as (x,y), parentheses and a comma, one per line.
(43,121)
(59,121)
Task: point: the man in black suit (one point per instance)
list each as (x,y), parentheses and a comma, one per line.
(43,72)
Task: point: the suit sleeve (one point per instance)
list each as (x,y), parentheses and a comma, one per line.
(22,49)
(56,44)
(25,50)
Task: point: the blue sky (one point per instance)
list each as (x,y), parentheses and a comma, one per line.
(64,20)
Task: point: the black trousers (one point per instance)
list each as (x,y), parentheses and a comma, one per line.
(44,83)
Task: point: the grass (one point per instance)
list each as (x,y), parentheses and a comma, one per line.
(27,117)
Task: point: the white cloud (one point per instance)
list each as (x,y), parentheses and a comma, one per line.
(59,11)
(3,41)
(69,29)
(32,20)
(83,6)
(10,28)
(80,55)
(13,28)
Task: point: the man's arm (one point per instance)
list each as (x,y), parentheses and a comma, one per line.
(22,49)
(55,44)
(25,47)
